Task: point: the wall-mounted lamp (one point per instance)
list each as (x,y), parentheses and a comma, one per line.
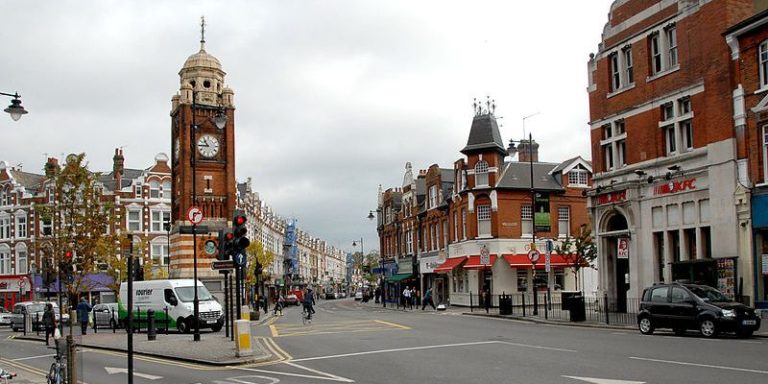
(650,179)
(640,172)
(675,168)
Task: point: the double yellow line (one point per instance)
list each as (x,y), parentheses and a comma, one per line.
(10,363)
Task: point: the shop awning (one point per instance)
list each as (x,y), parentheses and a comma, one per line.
(450,264)
(522,261)
(399,277)
(474,262)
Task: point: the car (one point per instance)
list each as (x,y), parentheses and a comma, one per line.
(330,295)
(359,294)
(32,309)
(682,307)
(106,315)
(291,299)
(5,316)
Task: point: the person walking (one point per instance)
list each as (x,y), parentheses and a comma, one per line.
(83,309)
(428,299)
(407,298)
(377,294)
(49,322)
(309,302)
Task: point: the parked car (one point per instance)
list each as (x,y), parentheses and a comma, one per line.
(291,299)
(5,316)
(690,306)
(32,309)
(330,295)
(106,315)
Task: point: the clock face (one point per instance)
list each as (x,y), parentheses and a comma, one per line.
(208,145)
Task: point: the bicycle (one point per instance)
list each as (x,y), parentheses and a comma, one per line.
(57,374)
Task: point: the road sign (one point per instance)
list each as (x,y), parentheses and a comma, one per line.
(533,255)
(485,255)
(240,260)
(188,229)
(195,215)
(222,264)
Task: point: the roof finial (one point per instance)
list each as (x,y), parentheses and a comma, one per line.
(474,106)
(493,106)
(488,104)
(202,33)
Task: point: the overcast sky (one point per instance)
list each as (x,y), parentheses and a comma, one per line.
(332,97)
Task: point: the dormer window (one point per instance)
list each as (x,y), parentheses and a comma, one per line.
(433,196)
(577,178)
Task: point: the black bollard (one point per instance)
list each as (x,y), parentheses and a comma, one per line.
(166,320)
(112,322)
(151,331)
(37,321)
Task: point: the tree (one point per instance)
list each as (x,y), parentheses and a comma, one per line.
(81,218)
(256,252)
(579,251)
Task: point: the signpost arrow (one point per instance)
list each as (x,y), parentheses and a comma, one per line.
(113,370)
(604,381)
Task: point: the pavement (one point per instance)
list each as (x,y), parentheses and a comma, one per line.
(215,349)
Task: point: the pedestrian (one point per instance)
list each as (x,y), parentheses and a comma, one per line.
(279,305)
(309,302)
(487,299)
(83,309)
(377,294)
(406,297)
(416,296)
(49,321)
(428,299)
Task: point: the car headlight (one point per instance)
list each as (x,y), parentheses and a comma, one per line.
(729,313)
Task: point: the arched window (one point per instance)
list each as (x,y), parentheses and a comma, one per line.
(21,259)
(167,189)
(481,173)
(154,189)
(5,260)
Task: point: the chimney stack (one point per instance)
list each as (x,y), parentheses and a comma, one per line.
(118,167)
(51,167)
(528,151)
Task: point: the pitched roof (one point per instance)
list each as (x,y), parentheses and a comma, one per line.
(31,182)
(484,135)
(517,175)
(571,163)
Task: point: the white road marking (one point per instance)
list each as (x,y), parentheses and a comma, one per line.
(33,357)
(538,347)
(701,365)
(604,381)
(113,370)
(329,377)
(393,350)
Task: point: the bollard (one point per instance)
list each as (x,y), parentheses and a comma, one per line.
(112,321)
(151,331)
(137,317)
(471,307)
(24,318)
(546,308)
(243,339)
(523,304)
(37,321)
(166,320)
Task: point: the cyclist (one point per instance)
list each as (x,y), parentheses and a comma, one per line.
(309,301)
(279,305)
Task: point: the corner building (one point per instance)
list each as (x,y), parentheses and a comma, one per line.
(667,203)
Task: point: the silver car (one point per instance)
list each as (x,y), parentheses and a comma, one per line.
(31,309)
(5,316)
(105,315)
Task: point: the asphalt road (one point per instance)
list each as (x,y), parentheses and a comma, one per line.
(353,342)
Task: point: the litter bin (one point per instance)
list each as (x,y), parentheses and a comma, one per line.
(566,297)
(573,301)
(505,305)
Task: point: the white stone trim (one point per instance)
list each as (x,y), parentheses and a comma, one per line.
(648,105)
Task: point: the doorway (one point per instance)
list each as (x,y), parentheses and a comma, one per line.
(620,266)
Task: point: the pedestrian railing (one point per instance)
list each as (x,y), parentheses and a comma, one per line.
(558,305)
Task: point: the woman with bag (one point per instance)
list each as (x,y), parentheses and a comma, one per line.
(49,322)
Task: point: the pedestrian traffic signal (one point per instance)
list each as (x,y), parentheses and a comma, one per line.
(225,244)
(68,255)
(240,242)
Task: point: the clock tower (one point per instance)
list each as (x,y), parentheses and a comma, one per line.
(203,162)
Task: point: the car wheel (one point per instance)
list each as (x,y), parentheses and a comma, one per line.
(182,326)
(679,331)
(217,327)
(645,325)
(15,329)
(708,328)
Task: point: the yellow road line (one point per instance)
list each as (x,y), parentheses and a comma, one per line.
(392,324)
(282,351)
(273,329)
(29,368)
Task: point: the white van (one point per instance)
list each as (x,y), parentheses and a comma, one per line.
(175,296)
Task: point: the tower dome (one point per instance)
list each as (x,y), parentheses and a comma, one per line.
(202,59)
(203,76)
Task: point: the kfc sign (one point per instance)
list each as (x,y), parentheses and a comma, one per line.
(675,187)
(613,197)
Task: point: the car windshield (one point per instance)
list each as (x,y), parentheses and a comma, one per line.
(708,294)
(36,308)
(187,294)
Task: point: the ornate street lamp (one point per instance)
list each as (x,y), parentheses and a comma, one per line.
(15,109)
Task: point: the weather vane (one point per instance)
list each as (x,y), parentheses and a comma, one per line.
(202,29)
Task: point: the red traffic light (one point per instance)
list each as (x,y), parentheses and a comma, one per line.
(240,220)
(229,236)
(68,255)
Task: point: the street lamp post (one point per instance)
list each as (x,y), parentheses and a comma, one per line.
(221,121)
(381,268)
(533,208)
(168,250)
(15,109)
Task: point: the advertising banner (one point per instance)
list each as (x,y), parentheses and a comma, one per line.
(541,220)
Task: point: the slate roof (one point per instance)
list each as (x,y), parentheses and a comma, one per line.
(517,175)
(484,135)
(31,182)
(110,183)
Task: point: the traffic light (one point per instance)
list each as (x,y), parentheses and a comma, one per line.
(258,269)
(225,244)
(138,272)
(66,266)
(240,242)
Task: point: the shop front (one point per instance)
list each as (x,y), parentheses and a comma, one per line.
(13,289)
(760,252)
(428,276)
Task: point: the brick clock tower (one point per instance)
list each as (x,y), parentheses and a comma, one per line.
(213,151)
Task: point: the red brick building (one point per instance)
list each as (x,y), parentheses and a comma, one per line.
(667,203)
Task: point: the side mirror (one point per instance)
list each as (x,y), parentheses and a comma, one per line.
(173,301)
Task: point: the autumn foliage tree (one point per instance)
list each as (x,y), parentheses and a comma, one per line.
(578,251)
